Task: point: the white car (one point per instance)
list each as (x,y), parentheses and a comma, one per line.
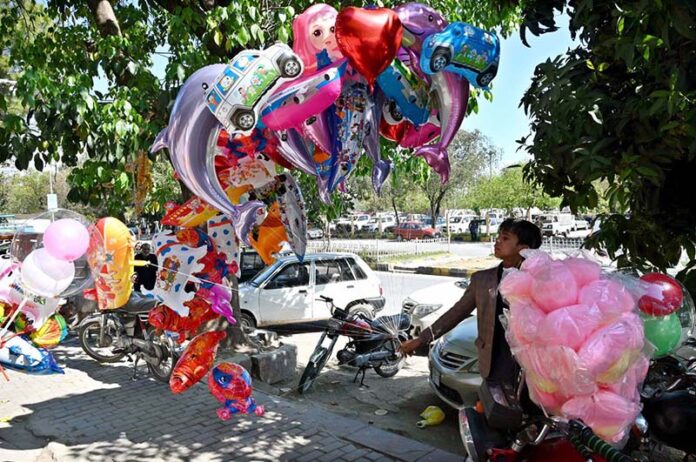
(247,83)
(428,304)
(287,291)
(315,233)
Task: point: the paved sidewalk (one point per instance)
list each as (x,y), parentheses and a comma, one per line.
(97,413)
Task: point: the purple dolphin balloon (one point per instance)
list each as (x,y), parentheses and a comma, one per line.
(190,131)
(380,168)
(453,93)
(418,21)
(245,217)
(295,150)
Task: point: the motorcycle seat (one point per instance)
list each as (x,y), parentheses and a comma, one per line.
(138,304)
(388,323)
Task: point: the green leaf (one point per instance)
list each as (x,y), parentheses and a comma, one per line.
(217,37)
(620,25)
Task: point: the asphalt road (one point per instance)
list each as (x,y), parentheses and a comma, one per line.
(398,286)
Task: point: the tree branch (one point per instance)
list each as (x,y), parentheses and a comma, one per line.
(105,17)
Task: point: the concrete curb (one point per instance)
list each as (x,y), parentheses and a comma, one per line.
(432,270)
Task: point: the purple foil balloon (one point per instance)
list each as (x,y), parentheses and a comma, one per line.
(380,168)
(418,21)
(191,130)
(295,150)
(453,93)
(317,130)
(220,303)
(245,217)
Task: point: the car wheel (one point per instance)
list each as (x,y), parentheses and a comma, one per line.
(290,67)
(487,77)
(244,120)
(247,323)
(362,309)
(440,59)
(399,237)
(395,112)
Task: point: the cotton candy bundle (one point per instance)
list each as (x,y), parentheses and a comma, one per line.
(576,334)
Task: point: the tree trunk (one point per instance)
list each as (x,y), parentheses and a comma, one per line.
(236,334)
(396,211)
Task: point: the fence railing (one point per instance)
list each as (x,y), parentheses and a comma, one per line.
(561,244)
(378,250)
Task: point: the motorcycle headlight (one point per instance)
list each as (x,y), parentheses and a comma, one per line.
(424,310)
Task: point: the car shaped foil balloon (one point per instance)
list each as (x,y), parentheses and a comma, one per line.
(247,82)
(465,50)
(406,93)
(301,99)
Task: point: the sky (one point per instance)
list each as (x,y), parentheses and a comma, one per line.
(502,120)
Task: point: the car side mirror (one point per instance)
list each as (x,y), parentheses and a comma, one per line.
(335,277)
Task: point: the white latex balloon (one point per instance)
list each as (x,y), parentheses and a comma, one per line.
(45,275)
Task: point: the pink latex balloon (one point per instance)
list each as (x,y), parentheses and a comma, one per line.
(607,413)
(554,287)
(584,271)
(66,239)
(610,296)
(525,320)
(570,325)
(609,352)
(516,286)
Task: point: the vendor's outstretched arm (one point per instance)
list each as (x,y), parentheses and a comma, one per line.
(452,317)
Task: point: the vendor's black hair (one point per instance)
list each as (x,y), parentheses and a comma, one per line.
(527,232)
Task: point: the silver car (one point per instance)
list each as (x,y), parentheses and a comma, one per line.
(454,373)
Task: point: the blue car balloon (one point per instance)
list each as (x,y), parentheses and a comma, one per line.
(407,94)
(465,50)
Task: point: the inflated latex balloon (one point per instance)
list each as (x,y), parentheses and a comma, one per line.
(19,354)
(66,239)
(51,333)
(164,318)
(609,352)
(664,295)
(231,384)
(663,332)
(609,296)
(111,258)
(453,96)
(516,286)
(292,214)
(267,239)
(570,325)
(369,38)
(195,361)
(554,287)
(607,413)
(584,271)
(44,275)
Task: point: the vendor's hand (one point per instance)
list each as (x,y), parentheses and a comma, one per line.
(409,346)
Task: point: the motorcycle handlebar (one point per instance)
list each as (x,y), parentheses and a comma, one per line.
(597,445)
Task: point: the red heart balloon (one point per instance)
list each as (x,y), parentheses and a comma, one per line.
(664,295)
(369,38)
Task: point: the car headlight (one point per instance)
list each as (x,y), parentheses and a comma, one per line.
(424,310)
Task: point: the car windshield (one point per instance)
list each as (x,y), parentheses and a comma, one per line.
(262,275)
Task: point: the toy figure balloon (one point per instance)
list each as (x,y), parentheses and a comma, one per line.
(231,384)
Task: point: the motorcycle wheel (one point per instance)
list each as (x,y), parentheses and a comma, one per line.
(313,368)
(89,341)
(163,371)
(390,368)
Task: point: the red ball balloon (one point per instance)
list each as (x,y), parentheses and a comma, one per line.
(664,296)
(369,38)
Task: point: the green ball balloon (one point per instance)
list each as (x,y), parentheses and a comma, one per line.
(664,332)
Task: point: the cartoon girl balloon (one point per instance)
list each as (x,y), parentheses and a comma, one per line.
(314,37)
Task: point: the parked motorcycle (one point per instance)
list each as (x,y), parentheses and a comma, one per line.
(109,336)
(373,344)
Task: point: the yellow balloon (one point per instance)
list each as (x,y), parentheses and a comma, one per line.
(111,258)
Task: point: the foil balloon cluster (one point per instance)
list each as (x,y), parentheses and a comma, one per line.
(353,76)
(577,333)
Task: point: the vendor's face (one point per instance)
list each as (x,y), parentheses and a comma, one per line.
(145,250)
(321,34)
(507,245)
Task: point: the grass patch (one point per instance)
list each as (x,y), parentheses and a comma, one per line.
(404,258)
